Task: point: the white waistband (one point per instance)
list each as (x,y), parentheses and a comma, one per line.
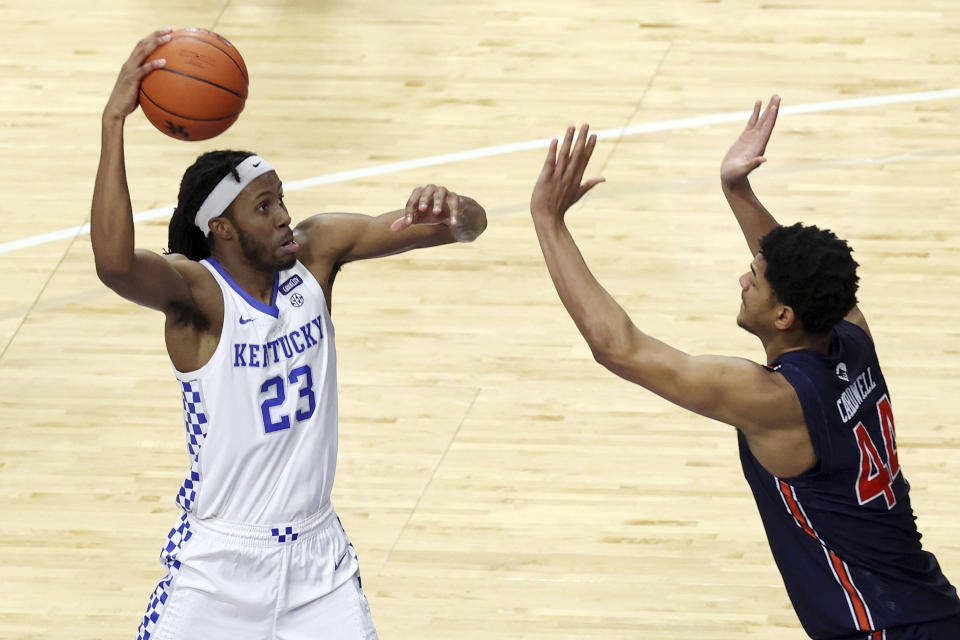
(266,534)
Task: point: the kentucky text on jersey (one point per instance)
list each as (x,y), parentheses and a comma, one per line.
(297,341)
(854,395)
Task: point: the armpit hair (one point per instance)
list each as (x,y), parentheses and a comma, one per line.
(188,315)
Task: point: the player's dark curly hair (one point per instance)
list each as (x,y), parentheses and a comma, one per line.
(812,271)
(198,181)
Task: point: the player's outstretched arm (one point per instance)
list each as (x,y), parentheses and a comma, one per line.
(141,276)
(732,390)
(745,155)
(433,216)
(601,321)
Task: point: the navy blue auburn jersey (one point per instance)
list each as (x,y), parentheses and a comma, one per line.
(843,534)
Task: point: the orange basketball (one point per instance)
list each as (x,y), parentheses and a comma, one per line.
(200,91)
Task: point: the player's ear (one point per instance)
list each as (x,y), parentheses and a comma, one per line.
(221,227)
(786,318)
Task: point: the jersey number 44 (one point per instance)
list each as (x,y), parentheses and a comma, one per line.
(876,476)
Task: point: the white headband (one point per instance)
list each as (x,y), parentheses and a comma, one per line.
(228,189)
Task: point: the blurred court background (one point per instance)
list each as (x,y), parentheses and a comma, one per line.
(496,482)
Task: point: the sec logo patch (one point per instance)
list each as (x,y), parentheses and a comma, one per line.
(296,300)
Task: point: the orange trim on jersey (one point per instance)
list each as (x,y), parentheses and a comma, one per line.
(795,509)
(846,581)
(859,607)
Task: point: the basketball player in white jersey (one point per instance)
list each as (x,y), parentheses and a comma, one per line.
(259,552)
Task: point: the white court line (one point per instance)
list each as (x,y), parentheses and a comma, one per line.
(484,152)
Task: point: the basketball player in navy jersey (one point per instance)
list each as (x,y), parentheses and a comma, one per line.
(815,424)
(258,552)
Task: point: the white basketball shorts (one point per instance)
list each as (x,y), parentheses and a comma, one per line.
(297,581)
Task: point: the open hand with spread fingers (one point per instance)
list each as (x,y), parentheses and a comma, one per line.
(746,153)
(559,185)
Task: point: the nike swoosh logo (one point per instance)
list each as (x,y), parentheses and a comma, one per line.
(255,165)
(340,561)
(245,320)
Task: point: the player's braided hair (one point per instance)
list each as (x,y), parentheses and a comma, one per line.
(812,271)
(198,181)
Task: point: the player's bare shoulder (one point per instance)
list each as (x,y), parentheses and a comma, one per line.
(204,312)
(757,399)
(781,398)
(193,327)
(856,317)
(324,239)
(779,439)
(326,234)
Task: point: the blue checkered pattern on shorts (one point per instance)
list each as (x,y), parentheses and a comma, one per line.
(195,419)
(168,556)
(284,534)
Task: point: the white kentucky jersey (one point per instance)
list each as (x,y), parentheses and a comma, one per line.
(261,415)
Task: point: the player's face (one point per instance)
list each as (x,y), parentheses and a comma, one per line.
(263,225)
(758,303)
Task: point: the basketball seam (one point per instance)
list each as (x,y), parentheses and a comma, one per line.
(223,51)
(174,113)
(199,79)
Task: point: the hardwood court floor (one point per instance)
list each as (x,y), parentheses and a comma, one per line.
(495,480)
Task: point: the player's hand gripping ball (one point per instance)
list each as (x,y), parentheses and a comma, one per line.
(201,89)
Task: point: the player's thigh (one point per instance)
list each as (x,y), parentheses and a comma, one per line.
(221,591)
(342,614)
(200,615)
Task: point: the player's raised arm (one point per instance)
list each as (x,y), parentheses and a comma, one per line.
(745,155)
(732,390)
(433,216)
(141,276)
